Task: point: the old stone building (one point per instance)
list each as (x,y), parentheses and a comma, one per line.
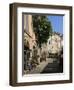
(29,35)
(29,41)
(55,43)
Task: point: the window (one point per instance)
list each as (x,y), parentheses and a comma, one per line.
(49,42)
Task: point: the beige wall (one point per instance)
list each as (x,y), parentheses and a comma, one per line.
(28,25)
(55,44)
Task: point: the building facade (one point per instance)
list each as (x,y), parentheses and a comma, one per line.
(29,41)
(29,35)
(55,43)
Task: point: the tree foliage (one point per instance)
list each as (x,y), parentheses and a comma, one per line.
(42,28)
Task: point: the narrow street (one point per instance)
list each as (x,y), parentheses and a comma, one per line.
(49,66)
(39,68)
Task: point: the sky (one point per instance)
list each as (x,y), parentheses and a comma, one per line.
(56,22)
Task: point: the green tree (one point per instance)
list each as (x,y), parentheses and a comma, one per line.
(42,28)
